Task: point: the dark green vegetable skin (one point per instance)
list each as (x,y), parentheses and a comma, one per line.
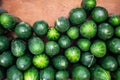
(105,31)
(87,59)
(99,73)
(114,45)
(40,27)
(23,62)
(116,74)
(73,32)
(23,30)
(47,74)
(73,54)
(4,43)
(14,74)
(18,47)
(88,5)
(62,75)
(99,14)
(64,41)
(8,21)
(2,72)
(36,45)
(118,59)
(114,20)
(60,62)
(31,74)
(117,31)
(52,48)
(88,29)
(109,63)
(83,44)
(6,59)
(77,16)
(80,73)
(1,30)
(98,48)
(62,24)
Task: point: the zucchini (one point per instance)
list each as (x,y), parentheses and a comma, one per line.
(18,47)
(60,62)
(47,74)
(14,74)
(99,14)
(62,75)
(36,45)
(4,43)
(52,48)
(24,62)
(41,61)
(62,24)
(6,59)
(98,73)
(31,74)
(23,30)
(80,73)
(77,16)
(40,27)
(73,54)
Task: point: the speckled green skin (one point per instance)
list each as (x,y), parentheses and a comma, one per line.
(114,20)
(83,44)
(41,61)
(6,59)
(98,73)
(105,31)
(62,24)
(73,32)
(77,16)
(31,74)
(52,48)
(64,41)
(117,31)
(114,45)
(14,74)
(88,5)
(62,75)
(60,62)
(87,59)
(47,74)
(23,30)
(53,34)
(80,73)
(99,14)
(18,47)
(109,63)
(40,27)
(98,48)
(88,29)
(73,54)
(36,45)
(4,43)
(23,62)
(8,21)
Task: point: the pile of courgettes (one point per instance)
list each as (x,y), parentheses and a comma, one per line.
(83,46)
